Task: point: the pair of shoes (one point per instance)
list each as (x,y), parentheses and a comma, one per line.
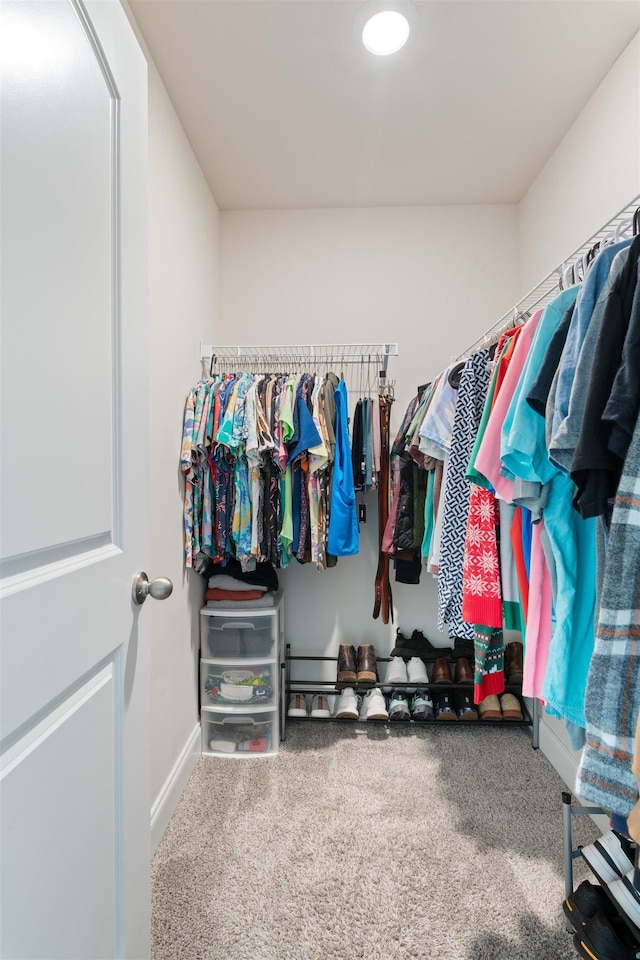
(456,705)
(319,706)
(420,707)
(441,673)
(399,672)
(513,664)
(360,667)
(610,857)
(599,939)
(506,707)
(415,646)
(371,706)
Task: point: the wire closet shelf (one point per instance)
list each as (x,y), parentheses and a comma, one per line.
(572,269)
(311,356)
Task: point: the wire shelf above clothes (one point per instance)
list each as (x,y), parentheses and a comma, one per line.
(298,355)
(572,270)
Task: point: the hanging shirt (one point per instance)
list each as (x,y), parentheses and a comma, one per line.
(435,432)
(488,461)
(343,520)
(574,371)
(593,285)
(595,469)
(525,454)
(471,398)
(605,775)
(186,465)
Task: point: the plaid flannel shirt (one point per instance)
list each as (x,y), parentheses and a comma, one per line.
(612,700)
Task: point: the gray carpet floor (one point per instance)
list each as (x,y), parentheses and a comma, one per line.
(368,843)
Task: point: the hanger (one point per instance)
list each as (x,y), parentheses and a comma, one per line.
(636,223)
(622,226)
(455,374)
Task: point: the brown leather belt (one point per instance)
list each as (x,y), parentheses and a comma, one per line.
(383,603)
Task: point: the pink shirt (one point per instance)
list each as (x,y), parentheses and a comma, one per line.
(538,635)
(488,459)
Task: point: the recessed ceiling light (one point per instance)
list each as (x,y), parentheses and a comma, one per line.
(385,33)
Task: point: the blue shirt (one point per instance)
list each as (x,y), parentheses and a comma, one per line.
(343,538)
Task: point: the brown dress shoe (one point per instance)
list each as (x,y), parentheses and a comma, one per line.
(367,665)
(346,664)
(440,672)
(464,673)
(513,663)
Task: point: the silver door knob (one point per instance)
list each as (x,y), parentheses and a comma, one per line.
(159,589)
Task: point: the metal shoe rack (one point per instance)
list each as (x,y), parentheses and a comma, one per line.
(571,853)
(332,688)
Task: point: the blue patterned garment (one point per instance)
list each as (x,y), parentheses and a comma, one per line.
(457,493)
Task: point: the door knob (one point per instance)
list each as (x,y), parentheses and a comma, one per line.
(159,589)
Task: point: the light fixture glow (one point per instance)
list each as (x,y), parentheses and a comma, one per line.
(385,33)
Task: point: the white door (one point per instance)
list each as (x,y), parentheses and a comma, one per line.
(74,792)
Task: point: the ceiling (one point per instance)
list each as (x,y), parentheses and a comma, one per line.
(284,107)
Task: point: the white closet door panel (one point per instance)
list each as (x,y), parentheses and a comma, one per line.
(59,780)
(74,649)
(58,233)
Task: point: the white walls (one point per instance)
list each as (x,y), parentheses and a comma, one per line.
(592,174)
(184,234)
(183,294)
(432,278)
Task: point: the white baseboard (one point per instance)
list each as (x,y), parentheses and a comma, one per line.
(566,762)
(165,802)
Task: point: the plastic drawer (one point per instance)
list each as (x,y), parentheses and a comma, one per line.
(240,683)
(250,734)
(233,637)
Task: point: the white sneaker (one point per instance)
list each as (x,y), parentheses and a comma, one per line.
(320,706)
(297,705)
(608,858)
(627,896)
(374,706)
(347,705)
(416,673)
(396,673)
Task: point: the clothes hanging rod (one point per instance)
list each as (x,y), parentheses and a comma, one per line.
(620,226)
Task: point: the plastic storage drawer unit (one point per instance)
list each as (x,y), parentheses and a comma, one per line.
(250,734)
(241,683)
(244,636)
